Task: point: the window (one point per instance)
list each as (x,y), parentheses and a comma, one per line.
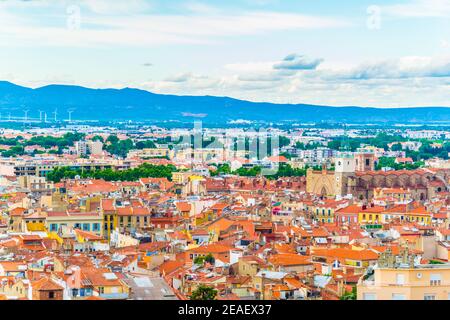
(96,227)
(101,290)
(400,279)
(86,227)
(435,279)
(53,227)
(369,296)
(51,295)
(429,297)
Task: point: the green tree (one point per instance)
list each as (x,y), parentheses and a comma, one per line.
(396,147)
(143,171)
(204,293)
(98,138)
(210,259)
(199,260)
(349,295)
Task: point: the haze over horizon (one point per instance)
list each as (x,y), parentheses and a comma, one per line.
(218,96)
(361,53)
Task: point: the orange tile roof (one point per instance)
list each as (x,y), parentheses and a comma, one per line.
(288,259)
(46,284)
(183,206)
(212,248)
(17,212)
(346,253)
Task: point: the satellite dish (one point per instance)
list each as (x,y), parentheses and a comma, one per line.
(419,275)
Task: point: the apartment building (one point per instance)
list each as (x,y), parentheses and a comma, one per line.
(403,278)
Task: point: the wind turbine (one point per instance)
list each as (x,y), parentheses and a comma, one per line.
(45,117)
(40,115)
(70,111)
(26,115)
(55,113)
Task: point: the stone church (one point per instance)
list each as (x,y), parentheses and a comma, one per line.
(355,174)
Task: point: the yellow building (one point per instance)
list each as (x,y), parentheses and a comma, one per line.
(35,221)
(324,210)
(86,221)
(371,215)
(399,194)
(110,218)
(408,213)
(405,280)
(152,153)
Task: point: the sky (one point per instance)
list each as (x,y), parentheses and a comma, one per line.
(379,53)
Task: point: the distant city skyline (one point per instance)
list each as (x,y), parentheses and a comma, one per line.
(366,53)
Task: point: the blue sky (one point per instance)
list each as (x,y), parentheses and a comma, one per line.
(371,53)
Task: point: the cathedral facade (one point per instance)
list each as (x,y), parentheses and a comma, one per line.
(354,174)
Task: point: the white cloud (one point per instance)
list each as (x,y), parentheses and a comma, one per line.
(151,29)
(297,62)
(419,8)
(405,67)
(409,81)
(117,7)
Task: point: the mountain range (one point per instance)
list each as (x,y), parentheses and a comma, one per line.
(135,104)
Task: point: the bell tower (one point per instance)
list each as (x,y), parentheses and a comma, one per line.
(345,167)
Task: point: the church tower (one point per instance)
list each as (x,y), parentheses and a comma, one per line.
(365,161)
(345,167)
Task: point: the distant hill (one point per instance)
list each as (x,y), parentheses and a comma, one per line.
(134,104)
